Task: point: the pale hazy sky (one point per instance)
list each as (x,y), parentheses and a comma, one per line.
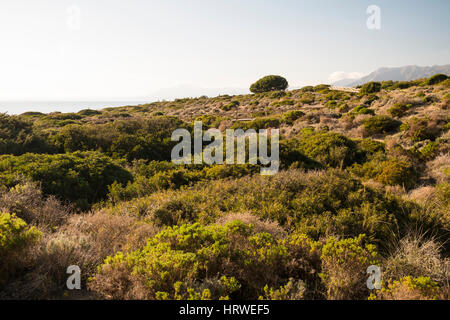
(129,49)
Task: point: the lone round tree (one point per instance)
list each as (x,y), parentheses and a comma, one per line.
(269,83)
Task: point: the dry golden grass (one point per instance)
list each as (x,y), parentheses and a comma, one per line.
(439,168)
(415,256)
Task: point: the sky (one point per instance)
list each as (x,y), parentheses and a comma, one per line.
(83,50)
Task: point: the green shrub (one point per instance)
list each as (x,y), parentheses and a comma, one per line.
(258,123)
(293,290)
(387,171)
(131,139)
(362,110)
(315,203)
(286,102)
(370,87)
(193,261)
(82,177)
(231,105)
(408,288)
(370,147)
(370,98)
(290,116)
(437,78)
(307,89)
(397,172)
(336,95)
(321,88)
(269,83)
(429,151)
(307,98)
(399,109)
(17,137)
(15,236)
(328,148)
(344,265)
(277,94)
(210,120)
(89,112)
(380,125)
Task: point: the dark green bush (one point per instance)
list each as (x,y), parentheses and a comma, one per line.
(328,148)
(131,139)
(89,112)
(277,94)
(17,137)
(437,78)
(380,125)
(307,89)
(399,109)
(290,116)
(370,87)
(269,83)
(258,123)
(82,177)
(391,171)
(369,147)
(231,105)
(362,110)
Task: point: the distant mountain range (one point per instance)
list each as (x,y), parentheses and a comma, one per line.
(405,73)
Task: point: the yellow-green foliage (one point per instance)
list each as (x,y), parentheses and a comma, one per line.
(14,233)
(399,109)
(15,236)
(166,228)
(396,172)
(315,203)
(186,261)
(408,288)
(329,148)
(380,125)
(344,265)
(293,290)
(389,171)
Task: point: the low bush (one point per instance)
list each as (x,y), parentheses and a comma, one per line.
(307,98)
(387,171)
(231,105)
(362,110)
(344,265)
(15,237)
(408,288)
(81,177)
(370,87)
(418,129)
(399,109)
(380,125)
(258,123)
(195,262)
(290,116)
(321,88)
(328,148)
(437,78)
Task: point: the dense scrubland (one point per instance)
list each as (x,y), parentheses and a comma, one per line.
(364,180)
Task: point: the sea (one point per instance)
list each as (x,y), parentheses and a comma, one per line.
(19,107)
